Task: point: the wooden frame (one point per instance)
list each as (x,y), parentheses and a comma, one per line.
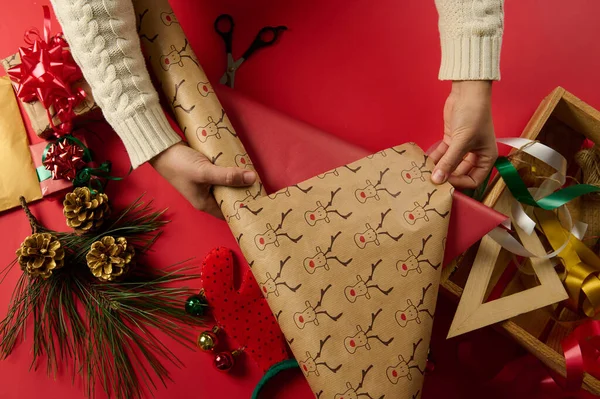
(473,314)
(584,121)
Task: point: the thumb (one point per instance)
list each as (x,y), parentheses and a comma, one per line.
(449,161)
(224,176)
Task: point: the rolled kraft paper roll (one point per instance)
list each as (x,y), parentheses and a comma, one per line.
(197,109)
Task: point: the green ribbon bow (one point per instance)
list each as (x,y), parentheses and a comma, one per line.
(517,187)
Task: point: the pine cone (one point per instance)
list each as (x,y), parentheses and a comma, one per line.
(109,259)
(85,211)
(40,254)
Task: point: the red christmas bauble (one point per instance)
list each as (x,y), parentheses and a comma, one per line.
(224,361)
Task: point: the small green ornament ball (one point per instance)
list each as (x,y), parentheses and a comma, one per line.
(196,305)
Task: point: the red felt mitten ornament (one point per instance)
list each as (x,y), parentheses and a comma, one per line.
(244,313)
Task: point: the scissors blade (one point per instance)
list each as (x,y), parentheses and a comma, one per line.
(232,70)
(229,75)
(230,62)
(239,62)
(224,78)
(230,78)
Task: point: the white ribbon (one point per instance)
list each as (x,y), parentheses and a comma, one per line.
(520,215)
(557,180)
(539,151)
(508,242)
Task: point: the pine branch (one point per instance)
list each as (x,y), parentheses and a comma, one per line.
(105,332)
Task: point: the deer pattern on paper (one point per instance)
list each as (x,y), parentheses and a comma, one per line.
(205,88)
(419,212)
(413,262)
(404,368)
(168,18)
(324,212)
(322,259)
(412,313)
(279,242)
(141,33)
(214,128)
(334,277)
(271,284)
(372,190)
(336,172)
(310,315)
(244,204)
(416,172)
(176,57)
(288,191)
(175,104)
(363,288)
(363,337)
(272,235)
(311,363)
(371,235)
(345,239)
(359,389)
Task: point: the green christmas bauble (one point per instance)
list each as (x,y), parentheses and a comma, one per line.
(196,305)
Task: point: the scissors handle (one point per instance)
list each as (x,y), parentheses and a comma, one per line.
(224,27)
(267,36)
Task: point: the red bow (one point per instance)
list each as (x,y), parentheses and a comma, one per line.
(582,354)
(527,377)
(64,159)
(46,73)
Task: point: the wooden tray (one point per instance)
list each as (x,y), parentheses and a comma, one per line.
(563,122)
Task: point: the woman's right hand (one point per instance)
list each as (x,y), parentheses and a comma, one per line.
(193,175)
(468,150)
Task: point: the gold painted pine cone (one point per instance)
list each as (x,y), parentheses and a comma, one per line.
(85,211)
(40,254)
(110,258)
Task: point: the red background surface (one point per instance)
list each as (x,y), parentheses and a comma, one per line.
(364,71)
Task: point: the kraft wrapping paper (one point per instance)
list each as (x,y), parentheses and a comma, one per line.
(348,260)
(17,173)
(196,108)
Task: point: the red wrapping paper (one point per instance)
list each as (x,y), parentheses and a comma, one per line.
(305,151)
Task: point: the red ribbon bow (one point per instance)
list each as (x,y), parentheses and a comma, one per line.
(527,377)
(64,159)
(46,73)
(582,354)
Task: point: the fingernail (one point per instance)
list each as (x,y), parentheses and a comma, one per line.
(249,177)
(438,176)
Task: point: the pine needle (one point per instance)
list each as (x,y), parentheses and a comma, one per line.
(105,332)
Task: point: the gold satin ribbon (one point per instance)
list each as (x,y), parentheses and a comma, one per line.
(582,265)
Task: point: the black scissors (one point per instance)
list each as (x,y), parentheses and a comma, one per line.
(266,37)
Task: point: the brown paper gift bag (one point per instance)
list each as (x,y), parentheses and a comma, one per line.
(349,260)
(17,172)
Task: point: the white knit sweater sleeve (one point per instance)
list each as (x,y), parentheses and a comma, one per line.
(104,42)
(471,37)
